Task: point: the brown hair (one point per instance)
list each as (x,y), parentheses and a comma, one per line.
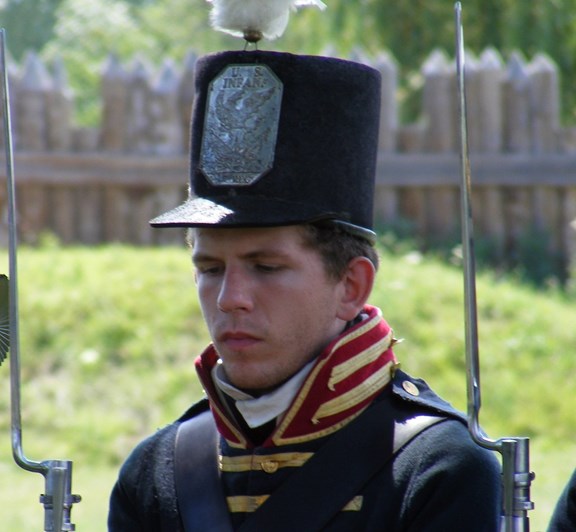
(335,246)
(338,247)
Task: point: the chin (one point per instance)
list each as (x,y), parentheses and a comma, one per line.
(251,385)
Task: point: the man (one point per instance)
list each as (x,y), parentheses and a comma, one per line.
(316,427)
(564,516)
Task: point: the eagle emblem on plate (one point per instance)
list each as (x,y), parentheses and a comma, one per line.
(241,125)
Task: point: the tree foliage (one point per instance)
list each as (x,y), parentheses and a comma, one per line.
(29,23)
(84,33)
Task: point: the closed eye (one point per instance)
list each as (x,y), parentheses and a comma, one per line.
(268,268)
(209,269)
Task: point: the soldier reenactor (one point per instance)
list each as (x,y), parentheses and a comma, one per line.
(308,423)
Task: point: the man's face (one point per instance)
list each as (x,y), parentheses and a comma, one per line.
(267,301)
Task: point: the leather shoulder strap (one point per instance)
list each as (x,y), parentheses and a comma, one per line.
(201,500)
(406,431)
(199,491)
(295,505)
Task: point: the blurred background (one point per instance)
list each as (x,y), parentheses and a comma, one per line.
(110,325)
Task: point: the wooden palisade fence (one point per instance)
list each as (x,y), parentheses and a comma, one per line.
(93,185)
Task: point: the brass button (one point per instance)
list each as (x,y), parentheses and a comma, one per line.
(270,466)
(411,388)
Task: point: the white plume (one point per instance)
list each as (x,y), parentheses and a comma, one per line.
(263,18)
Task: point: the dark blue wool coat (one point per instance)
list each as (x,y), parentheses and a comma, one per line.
(440,481)
(564,516)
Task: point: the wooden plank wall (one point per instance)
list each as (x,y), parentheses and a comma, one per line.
(103,184)
(92,200)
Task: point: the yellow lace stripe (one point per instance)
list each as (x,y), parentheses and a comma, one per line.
(241,444)
(355,505)
(356,395)
(249,504)
(370,324)
(279,438)
(245,503)
(344,370)
(268,463)
(311,380)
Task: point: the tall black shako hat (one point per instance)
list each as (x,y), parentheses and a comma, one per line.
(281,139)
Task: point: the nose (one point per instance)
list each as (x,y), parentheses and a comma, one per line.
(235,294)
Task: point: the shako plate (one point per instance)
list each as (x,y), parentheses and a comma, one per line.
(241,125)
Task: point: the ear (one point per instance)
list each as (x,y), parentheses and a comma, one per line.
(357,285)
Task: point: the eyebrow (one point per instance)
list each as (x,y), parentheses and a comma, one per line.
(252,255)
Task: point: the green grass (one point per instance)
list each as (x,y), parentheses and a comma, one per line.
(109,335)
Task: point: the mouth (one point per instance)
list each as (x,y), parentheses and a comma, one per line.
(237,341)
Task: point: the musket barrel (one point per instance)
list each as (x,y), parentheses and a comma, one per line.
(58,500)
(517,478)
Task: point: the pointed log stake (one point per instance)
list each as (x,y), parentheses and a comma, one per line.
(516,475)
(57,498)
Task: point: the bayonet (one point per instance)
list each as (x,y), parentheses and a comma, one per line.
(4,318)
(57,498)
(516,475)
